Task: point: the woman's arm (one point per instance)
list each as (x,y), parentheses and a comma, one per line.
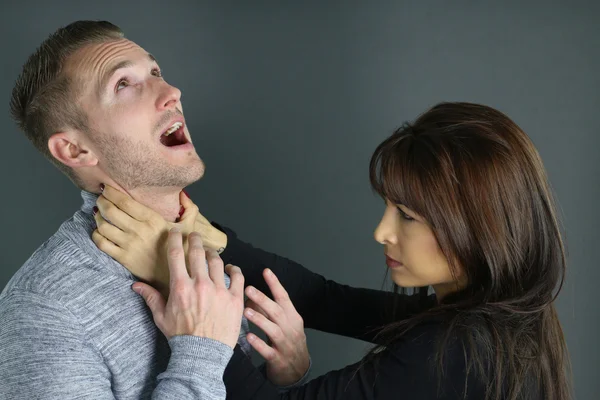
(408,370)
(323,304)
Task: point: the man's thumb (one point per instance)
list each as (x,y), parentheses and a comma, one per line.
(152,297)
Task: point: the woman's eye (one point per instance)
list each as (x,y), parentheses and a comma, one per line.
(404,215)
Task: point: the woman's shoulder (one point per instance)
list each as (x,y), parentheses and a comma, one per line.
(429,360)
(446,334)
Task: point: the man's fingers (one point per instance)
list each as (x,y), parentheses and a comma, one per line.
(176,256)
(273,310)
(127,204)
(280,295)
(197,256)
(216,270)
(153,299)
(236,287)
(266,351)
(272,330)
(255,307)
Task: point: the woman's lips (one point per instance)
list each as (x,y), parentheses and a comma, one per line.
(391,263)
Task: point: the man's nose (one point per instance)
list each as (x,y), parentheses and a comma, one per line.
(168,98)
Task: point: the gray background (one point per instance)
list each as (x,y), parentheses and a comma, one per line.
(287,100)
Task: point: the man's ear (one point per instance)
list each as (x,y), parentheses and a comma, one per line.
(68,148)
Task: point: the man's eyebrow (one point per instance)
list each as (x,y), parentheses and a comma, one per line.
(118,66)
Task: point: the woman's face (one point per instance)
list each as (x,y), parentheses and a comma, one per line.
(412,251)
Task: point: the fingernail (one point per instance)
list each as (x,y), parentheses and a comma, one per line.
(269,272)
(102,187)
(175,229)
(136,289)
(251,291)
(95,210)
(249,312)
(250,338)
(186,193)
(181,211)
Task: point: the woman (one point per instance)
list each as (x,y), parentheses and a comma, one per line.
(468,213)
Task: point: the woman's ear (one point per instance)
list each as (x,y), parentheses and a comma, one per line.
(67,148)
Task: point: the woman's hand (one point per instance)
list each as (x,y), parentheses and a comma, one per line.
(136,235)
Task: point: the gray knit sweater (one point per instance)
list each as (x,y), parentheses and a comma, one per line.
(71,327)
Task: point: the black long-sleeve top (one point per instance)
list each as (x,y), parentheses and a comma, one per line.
(405,370)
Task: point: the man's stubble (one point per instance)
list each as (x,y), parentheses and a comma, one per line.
(133,164)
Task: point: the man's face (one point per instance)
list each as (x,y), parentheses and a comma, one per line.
(130,108)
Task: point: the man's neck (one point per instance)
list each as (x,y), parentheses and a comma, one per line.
(164,201)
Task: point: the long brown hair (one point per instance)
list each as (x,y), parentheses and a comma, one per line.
(479,182)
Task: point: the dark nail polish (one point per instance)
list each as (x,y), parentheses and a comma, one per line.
(102,187)
(95,210)
(186,193)
(181,211)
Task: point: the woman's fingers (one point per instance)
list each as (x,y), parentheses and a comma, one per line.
(116,216)
(108,247)
(109,231)
(127,204)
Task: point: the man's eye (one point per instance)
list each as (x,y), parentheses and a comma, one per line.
(157,72)
(122,83)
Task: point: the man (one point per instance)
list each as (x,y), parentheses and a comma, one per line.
(96,105)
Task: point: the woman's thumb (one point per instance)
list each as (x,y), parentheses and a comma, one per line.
(185,200)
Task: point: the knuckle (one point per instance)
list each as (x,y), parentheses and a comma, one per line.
(214,258)
(179,289)
(195,252)
(154,223)
(102,243)
(298,336)
(278,313)
(151,298)
(175,252)
(124,203)
(277,334)
(202,285)
(102,227)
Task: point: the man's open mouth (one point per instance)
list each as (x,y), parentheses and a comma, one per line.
(174,136)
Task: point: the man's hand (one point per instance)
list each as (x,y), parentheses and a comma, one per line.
(200,304)
(287,355)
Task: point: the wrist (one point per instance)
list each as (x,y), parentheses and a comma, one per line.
(217,240)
